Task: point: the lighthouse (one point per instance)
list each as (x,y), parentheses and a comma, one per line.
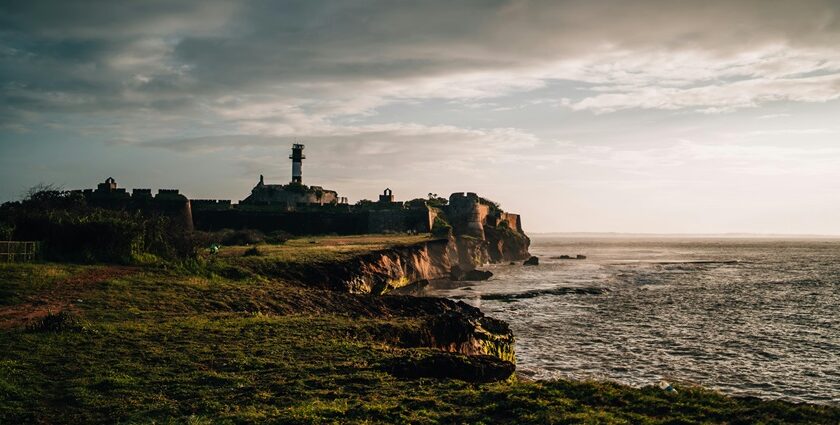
(297,163)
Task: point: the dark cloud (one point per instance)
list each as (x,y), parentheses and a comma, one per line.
(346,41)
(110,20)
(182,58)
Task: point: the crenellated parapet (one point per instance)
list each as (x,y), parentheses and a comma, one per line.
(169,194)
(168,202)
(211,204)
(141,194)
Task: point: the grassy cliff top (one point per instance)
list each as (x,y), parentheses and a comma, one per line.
(148,344)
(325,248)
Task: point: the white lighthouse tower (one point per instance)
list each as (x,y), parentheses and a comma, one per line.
(297,157)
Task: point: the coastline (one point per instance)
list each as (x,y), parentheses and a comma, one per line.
(227,341)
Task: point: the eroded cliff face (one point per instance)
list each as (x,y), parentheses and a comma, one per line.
(499,245)
(381,271)
(505,244)
(375,273)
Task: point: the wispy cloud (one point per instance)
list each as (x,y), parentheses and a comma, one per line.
(656,90)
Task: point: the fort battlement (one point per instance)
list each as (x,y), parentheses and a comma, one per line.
(167,202)
(301,209)
(141,193)
(210,204)
(463,197)
(467,214)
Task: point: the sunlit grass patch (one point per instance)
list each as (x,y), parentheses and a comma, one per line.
(324,248)
(18,280)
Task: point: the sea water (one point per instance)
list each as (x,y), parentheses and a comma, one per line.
(752,317)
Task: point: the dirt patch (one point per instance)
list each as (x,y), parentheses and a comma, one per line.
(19,315)
(61,296)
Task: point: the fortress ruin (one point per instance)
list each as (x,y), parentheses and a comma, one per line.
(299,209)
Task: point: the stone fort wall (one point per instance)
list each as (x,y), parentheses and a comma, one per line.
(468,215)
(314,222)
(167,202)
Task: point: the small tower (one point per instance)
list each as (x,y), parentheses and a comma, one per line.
(387,197)
(297,157)
(110,185)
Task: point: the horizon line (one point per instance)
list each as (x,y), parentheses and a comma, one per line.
(696,235)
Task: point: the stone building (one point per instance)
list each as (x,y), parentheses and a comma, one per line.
(290,196)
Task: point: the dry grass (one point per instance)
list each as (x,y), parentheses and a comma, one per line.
(325,248)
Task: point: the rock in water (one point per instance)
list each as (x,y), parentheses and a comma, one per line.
(474,275)
(533,261)
(457,274)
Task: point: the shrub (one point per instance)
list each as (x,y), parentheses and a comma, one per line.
(70,230)
(242,237)
(495,208)
(69,236)
(252,252)
(440,228)
(437,201)
(277,237)
(230,237)
(60,322)
(6,231)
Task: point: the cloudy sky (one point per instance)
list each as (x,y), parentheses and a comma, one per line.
(628,116)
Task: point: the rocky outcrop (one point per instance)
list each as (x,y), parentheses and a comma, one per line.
(375,272)
(569,257)
(533,261)
(472,347)
(457,274)
(506,244)
(465,343)
(468,331)
(475,369)
(480,233)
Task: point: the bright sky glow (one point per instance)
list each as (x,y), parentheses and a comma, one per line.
(643,116)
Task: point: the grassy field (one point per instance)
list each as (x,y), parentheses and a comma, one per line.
(166,345)
(325,248)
